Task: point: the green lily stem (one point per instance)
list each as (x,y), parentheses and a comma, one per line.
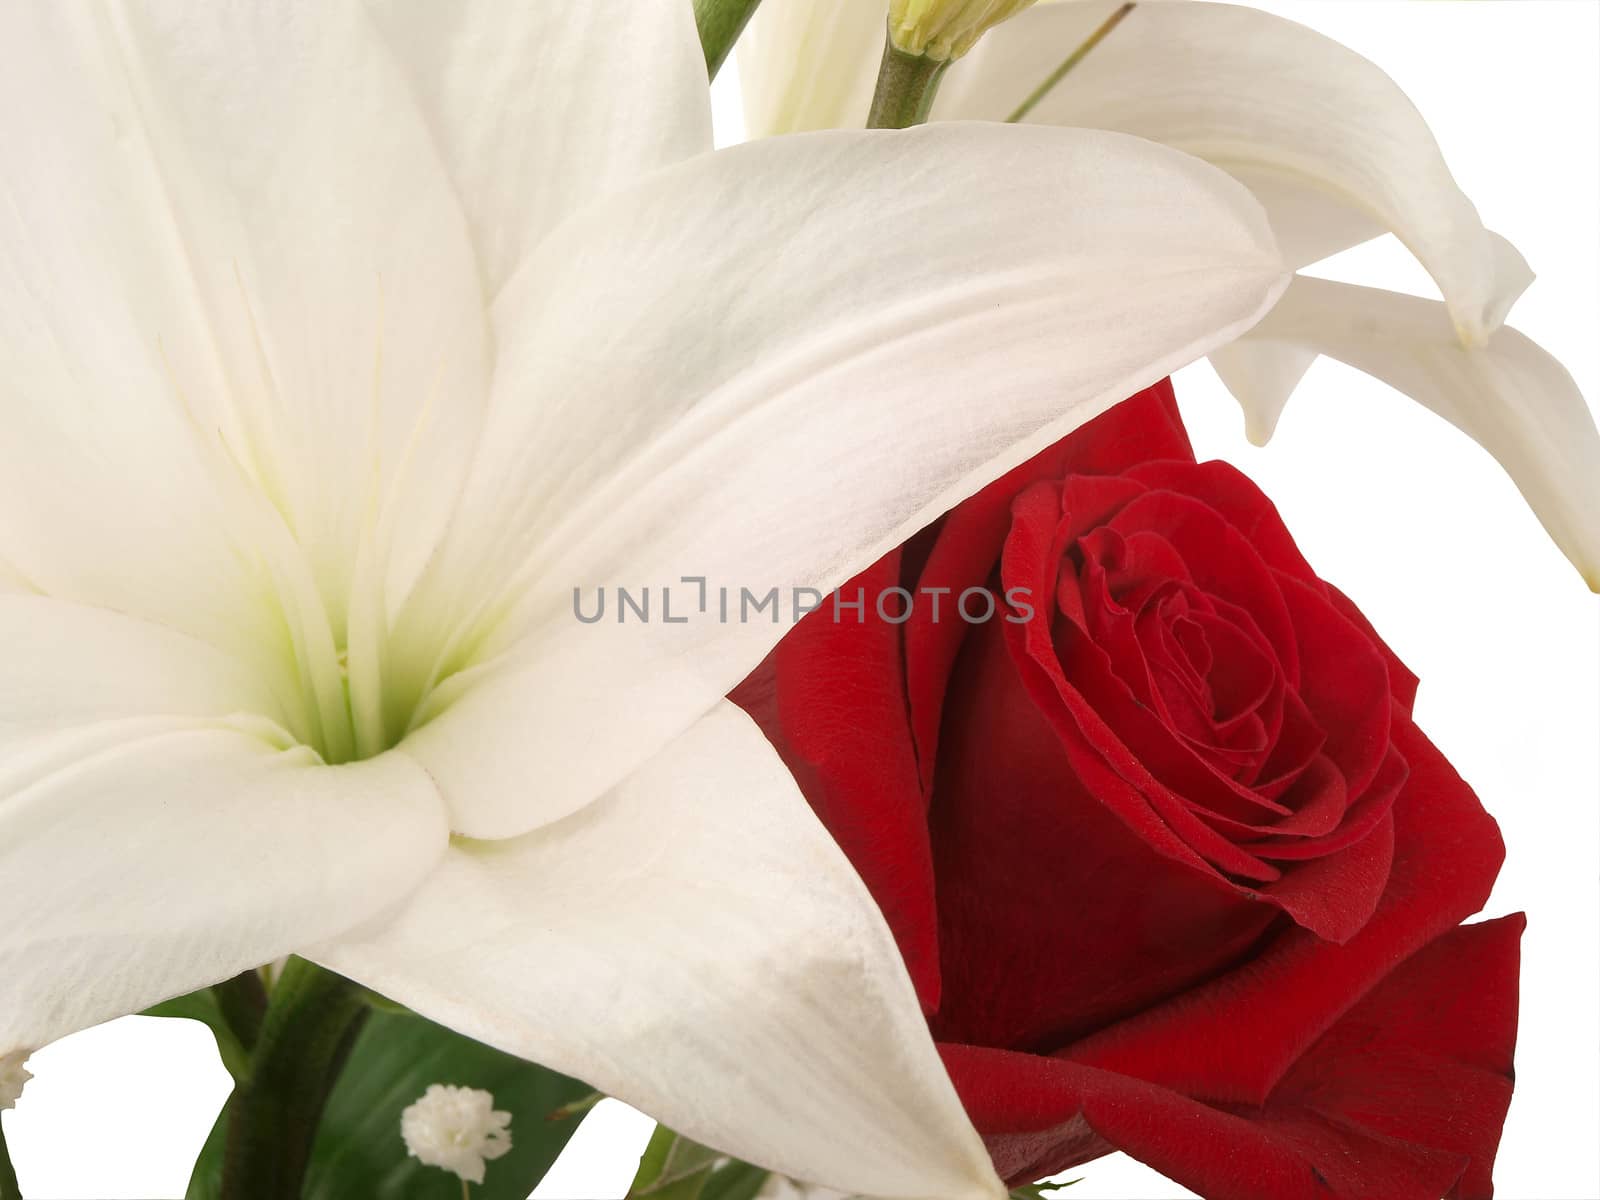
(8,1175)
(306,1034)
(1071,61)
(242,1001)
(720,23)
(907,85)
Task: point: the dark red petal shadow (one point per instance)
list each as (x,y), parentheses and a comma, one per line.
(1402,1099)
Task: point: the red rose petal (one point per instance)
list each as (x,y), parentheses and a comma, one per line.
(829,698)
(1233,1039)
(1345,684)
(1402,1098)
(1220,560)
(1240,502)
(1402,681)
(1056,914)
(967,548)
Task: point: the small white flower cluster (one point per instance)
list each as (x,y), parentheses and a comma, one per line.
(456,1129)
(13,1077)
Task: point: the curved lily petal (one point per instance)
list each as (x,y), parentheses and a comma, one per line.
(68,665)
(538,109)
(1510,396)
(152,841)
(696,944)
(1335,150)
(216,269)
(1246,89)
(806,65)
(799,378)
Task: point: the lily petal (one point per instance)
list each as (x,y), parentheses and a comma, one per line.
(797,377)
(806,65)
(212,273)
(151,842)
(1320,130)
(1249,90)
(697,945)
(539,109)
(1508,395)
(69,665)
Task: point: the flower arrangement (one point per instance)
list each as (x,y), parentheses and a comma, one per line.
(504,604)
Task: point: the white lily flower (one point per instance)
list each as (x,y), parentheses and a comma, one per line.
(1508,394)
(338,344)
(1327,142)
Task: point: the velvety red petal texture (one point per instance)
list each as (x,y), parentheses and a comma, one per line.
(835,710)
(1401,1099)
(1234,1038)
(1171,866)
(1144,428)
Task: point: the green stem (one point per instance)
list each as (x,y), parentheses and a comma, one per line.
(242,1001)
(576,1108)
(1071,61)
(8,1175)
(306,1035)
(721,22)
(907,85)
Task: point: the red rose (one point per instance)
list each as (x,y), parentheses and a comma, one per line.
(1171,867)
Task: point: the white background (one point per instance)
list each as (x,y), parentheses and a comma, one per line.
(1411,519)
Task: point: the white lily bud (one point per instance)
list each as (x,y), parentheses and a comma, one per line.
(456,1129)
(946,29)
(13,1077)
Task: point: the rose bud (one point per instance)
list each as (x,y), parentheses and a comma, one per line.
(1170,865)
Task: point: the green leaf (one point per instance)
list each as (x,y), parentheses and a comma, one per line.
(720,23)
(675,1168)
(672,1168)
(8,1176)
(203,1006)
(359,1152)
(734,1180)
(205,1181)
(1040,1191)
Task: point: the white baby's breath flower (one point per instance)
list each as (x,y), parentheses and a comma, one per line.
(457,1129)
(13,1078)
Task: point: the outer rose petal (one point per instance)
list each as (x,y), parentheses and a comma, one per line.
(696,944)
(1447,852)
(832,687)
(1402,1098)
(830,700)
